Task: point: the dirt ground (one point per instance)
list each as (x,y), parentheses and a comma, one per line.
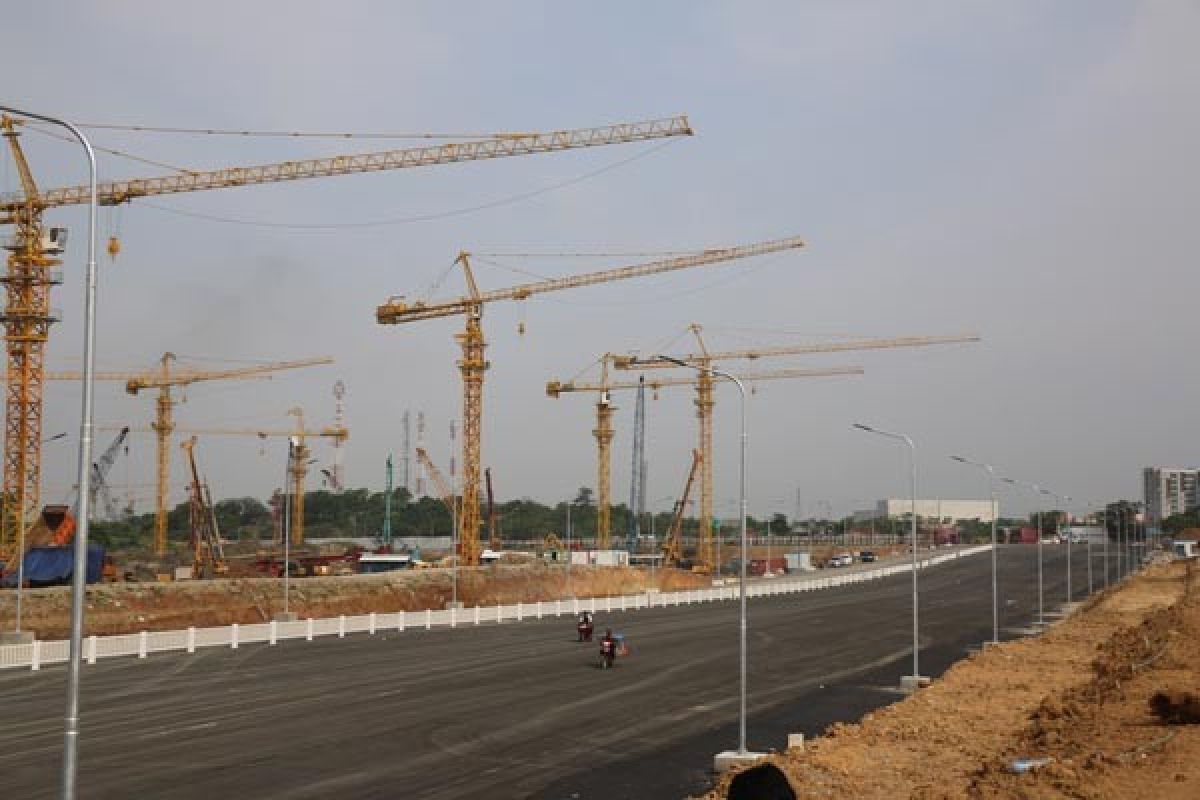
(132,607)
(1105,704)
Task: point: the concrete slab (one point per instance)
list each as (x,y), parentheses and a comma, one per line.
(16,637)
(911,683)
(724,761)
(795,741)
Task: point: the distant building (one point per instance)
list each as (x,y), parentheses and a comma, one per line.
(949,510)
(1169,491)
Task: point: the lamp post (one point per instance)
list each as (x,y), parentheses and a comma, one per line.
(915,679)
(1041,620)
(995,593)
(79,578)
(741,751)
(570,591)
(1065,501)
(293,443)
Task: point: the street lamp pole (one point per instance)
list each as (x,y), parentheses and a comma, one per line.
(79,578)
(912,464)
(995,593)
(742,566)
(1065,500)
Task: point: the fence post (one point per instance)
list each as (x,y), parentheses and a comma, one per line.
(428,618)
(593,599)
(191,640)
(476,615)
(35,660)
(142,644)
(274,632)
(539,609)
(233,636)
(341,626)
(371,624)
(400,622)
(91,650)
(453,617)
(520,616)
(309,629)
(575,606)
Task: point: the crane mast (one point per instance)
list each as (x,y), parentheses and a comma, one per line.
(473,365)
(208,554)
(29,274)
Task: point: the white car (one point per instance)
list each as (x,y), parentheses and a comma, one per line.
(841,560)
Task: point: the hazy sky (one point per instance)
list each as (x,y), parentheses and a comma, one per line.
(1024,170)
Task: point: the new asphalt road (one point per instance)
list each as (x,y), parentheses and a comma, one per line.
(517,710)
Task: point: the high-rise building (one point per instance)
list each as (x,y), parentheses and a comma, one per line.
(1169,491)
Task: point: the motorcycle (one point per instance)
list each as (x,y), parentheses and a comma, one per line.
(608,653)
(584,629)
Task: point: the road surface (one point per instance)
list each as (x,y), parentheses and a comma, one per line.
(517,710)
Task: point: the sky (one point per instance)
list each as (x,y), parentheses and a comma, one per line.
(1021,170)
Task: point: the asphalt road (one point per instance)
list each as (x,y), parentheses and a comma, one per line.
(516,710)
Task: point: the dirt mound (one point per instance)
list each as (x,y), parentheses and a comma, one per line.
(1071,713)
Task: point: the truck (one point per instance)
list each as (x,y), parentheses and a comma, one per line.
(55,566)
(758,566)
(1028,535)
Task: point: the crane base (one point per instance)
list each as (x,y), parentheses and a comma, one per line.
(727,760)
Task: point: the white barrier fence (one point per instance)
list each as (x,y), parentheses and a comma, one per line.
(38,653)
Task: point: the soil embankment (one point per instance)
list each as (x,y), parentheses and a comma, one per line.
(1103,705)
(131,607)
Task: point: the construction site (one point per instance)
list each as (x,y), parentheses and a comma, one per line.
(741,402)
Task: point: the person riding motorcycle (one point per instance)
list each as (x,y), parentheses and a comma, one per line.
(608,649)
(584,627)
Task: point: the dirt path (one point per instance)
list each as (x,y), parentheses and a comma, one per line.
(1083,696)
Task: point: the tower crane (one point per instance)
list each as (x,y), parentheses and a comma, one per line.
(297,473)
(164,378)
(704,359)
(34,252)
(604,413)
(473,365)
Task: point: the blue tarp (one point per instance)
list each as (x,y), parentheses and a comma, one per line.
(49,566)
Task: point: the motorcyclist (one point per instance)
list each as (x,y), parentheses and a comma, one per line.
(584,627)
(608,648)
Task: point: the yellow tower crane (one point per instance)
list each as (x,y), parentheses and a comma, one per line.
(165,378)
(604,412)
(34,251)
(297,472)
(473,365)
(704,361)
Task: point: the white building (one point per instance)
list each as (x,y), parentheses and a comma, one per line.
(939,509)
(1169,491)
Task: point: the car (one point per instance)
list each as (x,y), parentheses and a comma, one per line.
(841,560)
(866,557)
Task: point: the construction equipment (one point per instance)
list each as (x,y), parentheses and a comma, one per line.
(385,535)
(604,408)
(637,470)
(493,535)
(208,554)
(703,361)
(98,486)
(34,251)
(672,546)
(297,472)
(440,486)
(473,365)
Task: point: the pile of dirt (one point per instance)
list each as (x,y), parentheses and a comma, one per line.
(131,607)
(1094,708)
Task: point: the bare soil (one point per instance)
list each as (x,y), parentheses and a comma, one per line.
(1105,703)
(131,607)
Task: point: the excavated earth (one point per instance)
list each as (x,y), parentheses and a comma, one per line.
(1105,704)
(131,607)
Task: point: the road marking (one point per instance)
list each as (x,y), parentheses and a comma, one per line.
(161,732)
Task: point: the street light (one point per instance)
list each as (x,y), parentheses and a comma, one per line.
(741,751)
(1064,500)
(1041,621)
(79,578)
(915,679)
(992,489)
